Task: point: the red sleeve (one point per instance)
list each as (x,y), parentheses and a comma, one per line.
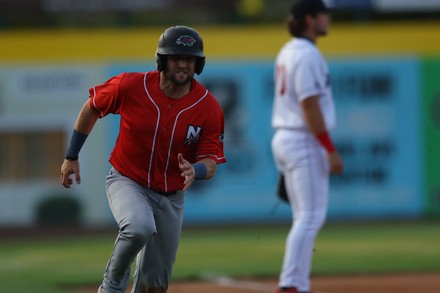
(104,98)
(211,146)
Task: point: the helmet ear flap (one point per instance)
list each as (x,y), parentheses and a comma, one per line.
(161,62)
(200,63)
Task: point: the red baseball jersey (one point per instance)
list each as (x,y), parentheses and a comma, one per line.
(154,128)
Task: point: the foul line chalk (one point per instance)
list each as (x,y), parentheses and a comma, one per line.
(247,285)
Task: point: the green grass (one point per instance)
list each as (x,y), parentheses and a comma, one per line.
(47,265)
(57,265)
(405,247)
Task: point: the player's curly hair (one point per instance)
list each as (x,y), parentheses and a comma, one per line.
(296,26)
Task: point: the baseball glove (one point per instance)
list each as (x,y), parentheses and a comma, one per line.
(281,189)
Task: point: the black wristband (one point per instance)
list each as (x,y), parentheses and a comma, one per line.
(200,170)
(70,158)
(76,143)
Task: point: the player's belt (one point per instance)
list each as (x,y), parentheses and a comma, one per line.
(167,193)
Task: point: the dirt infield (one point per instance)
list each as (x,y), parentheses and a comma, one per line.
(402,283)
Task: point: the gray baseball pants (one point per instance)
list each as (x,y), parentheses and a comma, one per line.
(149,229)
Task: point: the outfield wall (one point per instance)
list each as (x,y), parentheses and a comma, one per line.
(385,78)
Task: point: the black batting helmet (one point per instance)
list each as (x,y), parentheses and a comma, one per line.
(180,40)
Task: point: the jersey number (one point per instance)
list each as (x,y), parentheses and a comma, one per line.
(280,80)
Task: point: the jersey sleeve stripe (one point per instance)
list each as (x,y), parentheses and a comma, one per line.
(94,103)
(218,159)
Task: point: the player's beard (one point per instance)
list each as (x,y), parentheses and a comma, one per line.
(322,33)
(180,82)
(321,30)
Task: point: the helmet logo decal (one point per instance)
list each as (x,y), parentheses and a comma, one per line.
(185,40)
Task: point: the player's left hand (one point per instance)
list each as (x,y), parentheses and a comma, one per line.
(188,171)
(336,163)
(68,168)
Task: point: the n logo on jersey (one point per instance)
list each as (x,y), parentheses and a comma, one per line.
(193,134)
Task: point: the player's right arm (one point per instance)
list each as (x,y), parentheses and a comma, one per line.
(315,121)
(87,118)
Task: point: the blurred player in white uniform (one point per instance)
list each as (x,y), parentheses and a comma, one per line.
(303,115)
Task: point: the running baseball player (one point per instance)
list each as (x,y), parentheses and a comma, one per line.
(303,114)
(170,134)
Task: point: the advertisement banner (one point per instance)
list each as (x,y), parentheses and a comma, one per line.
(379,137)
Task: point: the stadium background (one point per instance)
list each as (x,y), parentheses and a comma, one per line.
(382,234)
(384,66)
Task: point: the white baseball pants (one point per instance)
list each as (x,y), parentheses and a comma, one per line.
(299,156)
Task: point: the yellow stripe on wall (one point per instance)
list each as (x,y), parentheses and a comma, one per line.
(220,42)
